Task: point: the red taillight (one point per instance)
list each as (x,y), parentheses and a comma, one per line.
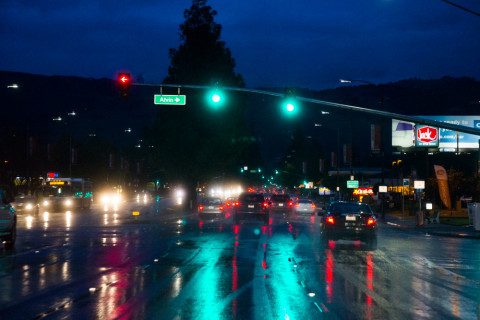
(265,204)
(237,203)
(313,205)
(228,204)
(297,205)
(290,203)
(221,208)
(370,221)
(200,208)
(330,220)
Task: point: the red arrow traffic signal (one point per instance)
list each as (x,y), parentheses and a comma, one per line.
(124,80)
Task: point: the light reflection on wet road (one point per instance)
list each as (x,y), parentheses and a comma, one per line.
(166,264)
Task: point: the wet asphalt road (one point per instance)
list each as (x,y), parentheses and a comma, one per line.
(169,264)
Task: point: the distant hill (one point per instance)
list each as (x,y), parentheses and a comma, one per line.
(30,110)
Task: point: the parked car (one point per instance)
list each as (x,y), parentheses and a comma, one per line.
(8,220)
(251,206)
(305,206)
(350,220)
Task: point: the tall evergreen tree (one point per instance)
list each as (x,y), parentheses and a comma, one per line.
(196,143)
(201,57)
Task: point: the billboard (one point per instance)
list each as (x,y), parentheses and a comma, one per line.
(404,134)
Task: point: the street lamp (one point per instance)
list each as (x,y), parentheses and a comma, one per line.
(350,81)
(59,119)
(382,107)
(371,84)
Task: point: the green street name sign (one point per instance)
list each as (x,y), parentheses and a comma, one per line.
(170,100)
(352,184)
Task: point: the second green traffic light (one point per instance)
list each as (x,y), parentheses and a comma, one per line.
(215,97)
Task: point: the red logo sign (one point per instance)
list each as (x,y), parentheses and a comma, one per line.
(427,134)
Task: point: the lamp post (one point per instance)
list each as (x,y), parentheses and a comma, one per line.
(382,107)
(70,152)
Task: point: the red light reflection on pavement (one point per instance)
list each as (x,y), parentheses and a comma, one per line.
(264,229)
(329,275)
(331,244)
(370,268)
(264,263)
(234,281)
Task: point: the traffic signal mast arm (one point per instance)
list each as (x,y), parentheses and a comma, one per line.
(390,115)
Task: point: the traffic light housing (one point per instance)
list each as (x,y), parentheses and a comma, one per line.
(124,81)
(290,102)
(216,96)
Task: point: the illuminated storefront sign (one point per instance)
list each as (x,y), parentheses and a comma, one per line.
(363,192)
(56,183)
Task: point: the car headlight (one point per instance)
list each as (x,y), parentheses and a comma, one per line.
(29,206)
(46,203)
(68,202)
(105,199)
(116,199)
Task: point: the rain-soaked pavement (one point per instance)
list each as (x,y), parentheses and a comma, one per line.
(167,264)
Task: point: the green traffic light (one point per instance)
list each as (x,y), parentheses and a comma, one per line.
(216,98)
(290,107)
(290,101)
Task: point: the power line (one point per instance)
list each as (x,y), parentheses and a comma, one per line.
(460,7)
(391,115)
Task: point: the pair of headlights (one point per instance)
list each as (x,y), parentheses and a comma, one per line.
(66,202)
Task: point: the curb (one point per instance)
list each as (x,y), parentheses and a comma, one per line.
(453,235)
(434,233)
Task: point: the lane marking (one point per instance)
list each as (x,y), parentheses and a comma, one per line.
(318,307)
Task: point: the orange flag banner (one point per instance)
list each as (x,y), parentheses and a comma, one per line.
(442,179)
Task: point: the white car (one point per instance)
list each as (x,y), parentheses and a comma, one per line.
(305,206)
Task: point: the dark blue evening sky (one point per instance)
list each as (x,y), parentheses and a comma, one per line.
(303,43)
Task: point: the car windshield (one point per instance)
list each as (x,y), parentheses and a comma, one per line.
(252,198)
(212,201)
(350,208)
(304,201)
(280,198)
(23,198)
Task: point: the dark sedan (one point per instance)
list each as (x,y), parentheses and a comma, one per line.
(350,221)
(281,203)
(251,206)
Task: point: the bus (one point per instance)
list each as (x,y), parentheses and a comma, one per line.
(67,194)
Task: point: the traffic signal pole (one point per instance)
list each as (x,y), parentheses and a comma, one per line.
(380,113)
